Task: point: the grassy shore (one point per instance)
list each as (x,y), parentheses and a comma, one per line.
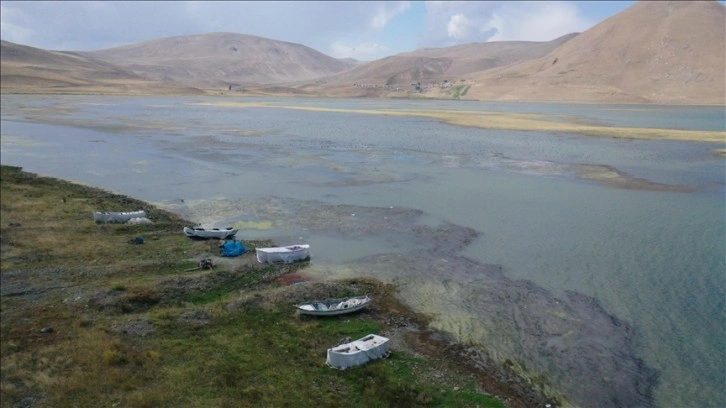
(89,318)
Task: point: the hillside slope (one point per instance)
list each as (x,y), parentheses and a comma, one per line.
(657,52)
(220,59)
(32,70)
(652,52)
(448,63)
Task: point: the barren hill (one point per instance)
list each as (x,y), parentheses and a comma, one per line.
(436,64)
(659,52)
(653,52)
(32,70)
(222,59)
(433,65)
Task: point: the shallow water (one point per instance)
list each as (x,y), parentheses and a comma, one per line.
(478,227)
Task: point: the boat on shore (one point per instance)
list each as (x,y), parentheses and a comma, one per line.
(285,254)
(358,352)
(333,307)
(117,216)
(214,233)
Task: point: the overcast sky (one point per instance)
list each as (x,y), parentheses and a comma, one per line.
(364,30)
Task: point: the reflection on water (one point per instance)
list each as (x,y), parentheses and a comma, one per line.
(574,257)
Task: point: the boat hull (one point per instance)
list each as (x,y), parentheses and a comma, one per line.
(117,217)
(358,352)
(333,307)
(287,254)
(201,233)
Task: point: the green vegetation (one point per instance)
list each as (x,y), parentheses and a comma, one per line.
(458,91)
(132,326)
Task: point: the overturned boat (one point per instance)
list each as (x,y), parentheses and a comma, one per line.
(358,352)
(333,307)
(214,233)
(118,217)
(286,254)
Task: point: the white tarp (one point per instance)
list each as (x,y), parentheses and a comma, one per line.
(358,352)
(287,254)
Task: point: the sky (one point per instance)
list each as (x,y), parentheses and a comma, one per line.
(364,30)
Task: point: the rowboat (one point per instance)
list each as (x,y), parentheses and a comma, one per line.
(358,352)
(333,307)
(286,254)
(120,217)
(216,233)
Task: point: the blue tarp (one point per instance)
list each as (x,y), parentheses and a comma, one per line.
(233,248)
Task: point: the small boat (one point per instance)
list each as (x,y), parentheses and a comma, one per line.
(286,254)
(216,233)
(120,217)
(358,352)
(333,307)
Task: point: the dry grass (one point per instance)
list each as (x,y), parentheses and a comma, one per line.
(516,121)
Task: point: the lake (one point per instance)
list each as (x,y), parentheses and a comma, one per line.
(595,265)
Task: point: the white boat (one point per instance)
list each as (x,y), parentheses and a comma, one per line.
(286,254)
(121,217)
(358,352)
(333,307)
(201,233)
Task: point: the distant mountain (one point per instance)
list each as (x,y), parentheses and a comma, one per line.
(221,59)
(434,65)
(32,70)
(659,52)
(653,52)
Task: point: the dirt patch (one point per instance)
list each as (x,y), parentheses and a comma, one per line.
(199,317)
(139,328)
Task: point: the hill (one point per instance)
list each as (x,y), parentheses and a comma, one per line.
(652,52)
(399,73)
(32,70)
(222,59)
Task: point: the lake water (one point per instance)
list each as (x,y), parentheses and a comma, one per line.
(614,295)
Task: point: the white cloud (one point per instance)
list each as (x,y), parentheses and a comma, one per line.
(359,29)
(387,11)
(459,27)
(362,52)
(14,25)
(455,22)
(536,21)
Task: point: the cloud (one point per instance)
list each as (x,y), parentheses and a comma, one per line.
(455,22)
(387,11)
(536,21)
(459,27)
(84,26)
(361,52)
(359,29)
(14,25)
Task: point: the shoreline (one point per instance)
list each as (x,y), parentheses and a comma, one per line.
(407,329)
(221,93)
